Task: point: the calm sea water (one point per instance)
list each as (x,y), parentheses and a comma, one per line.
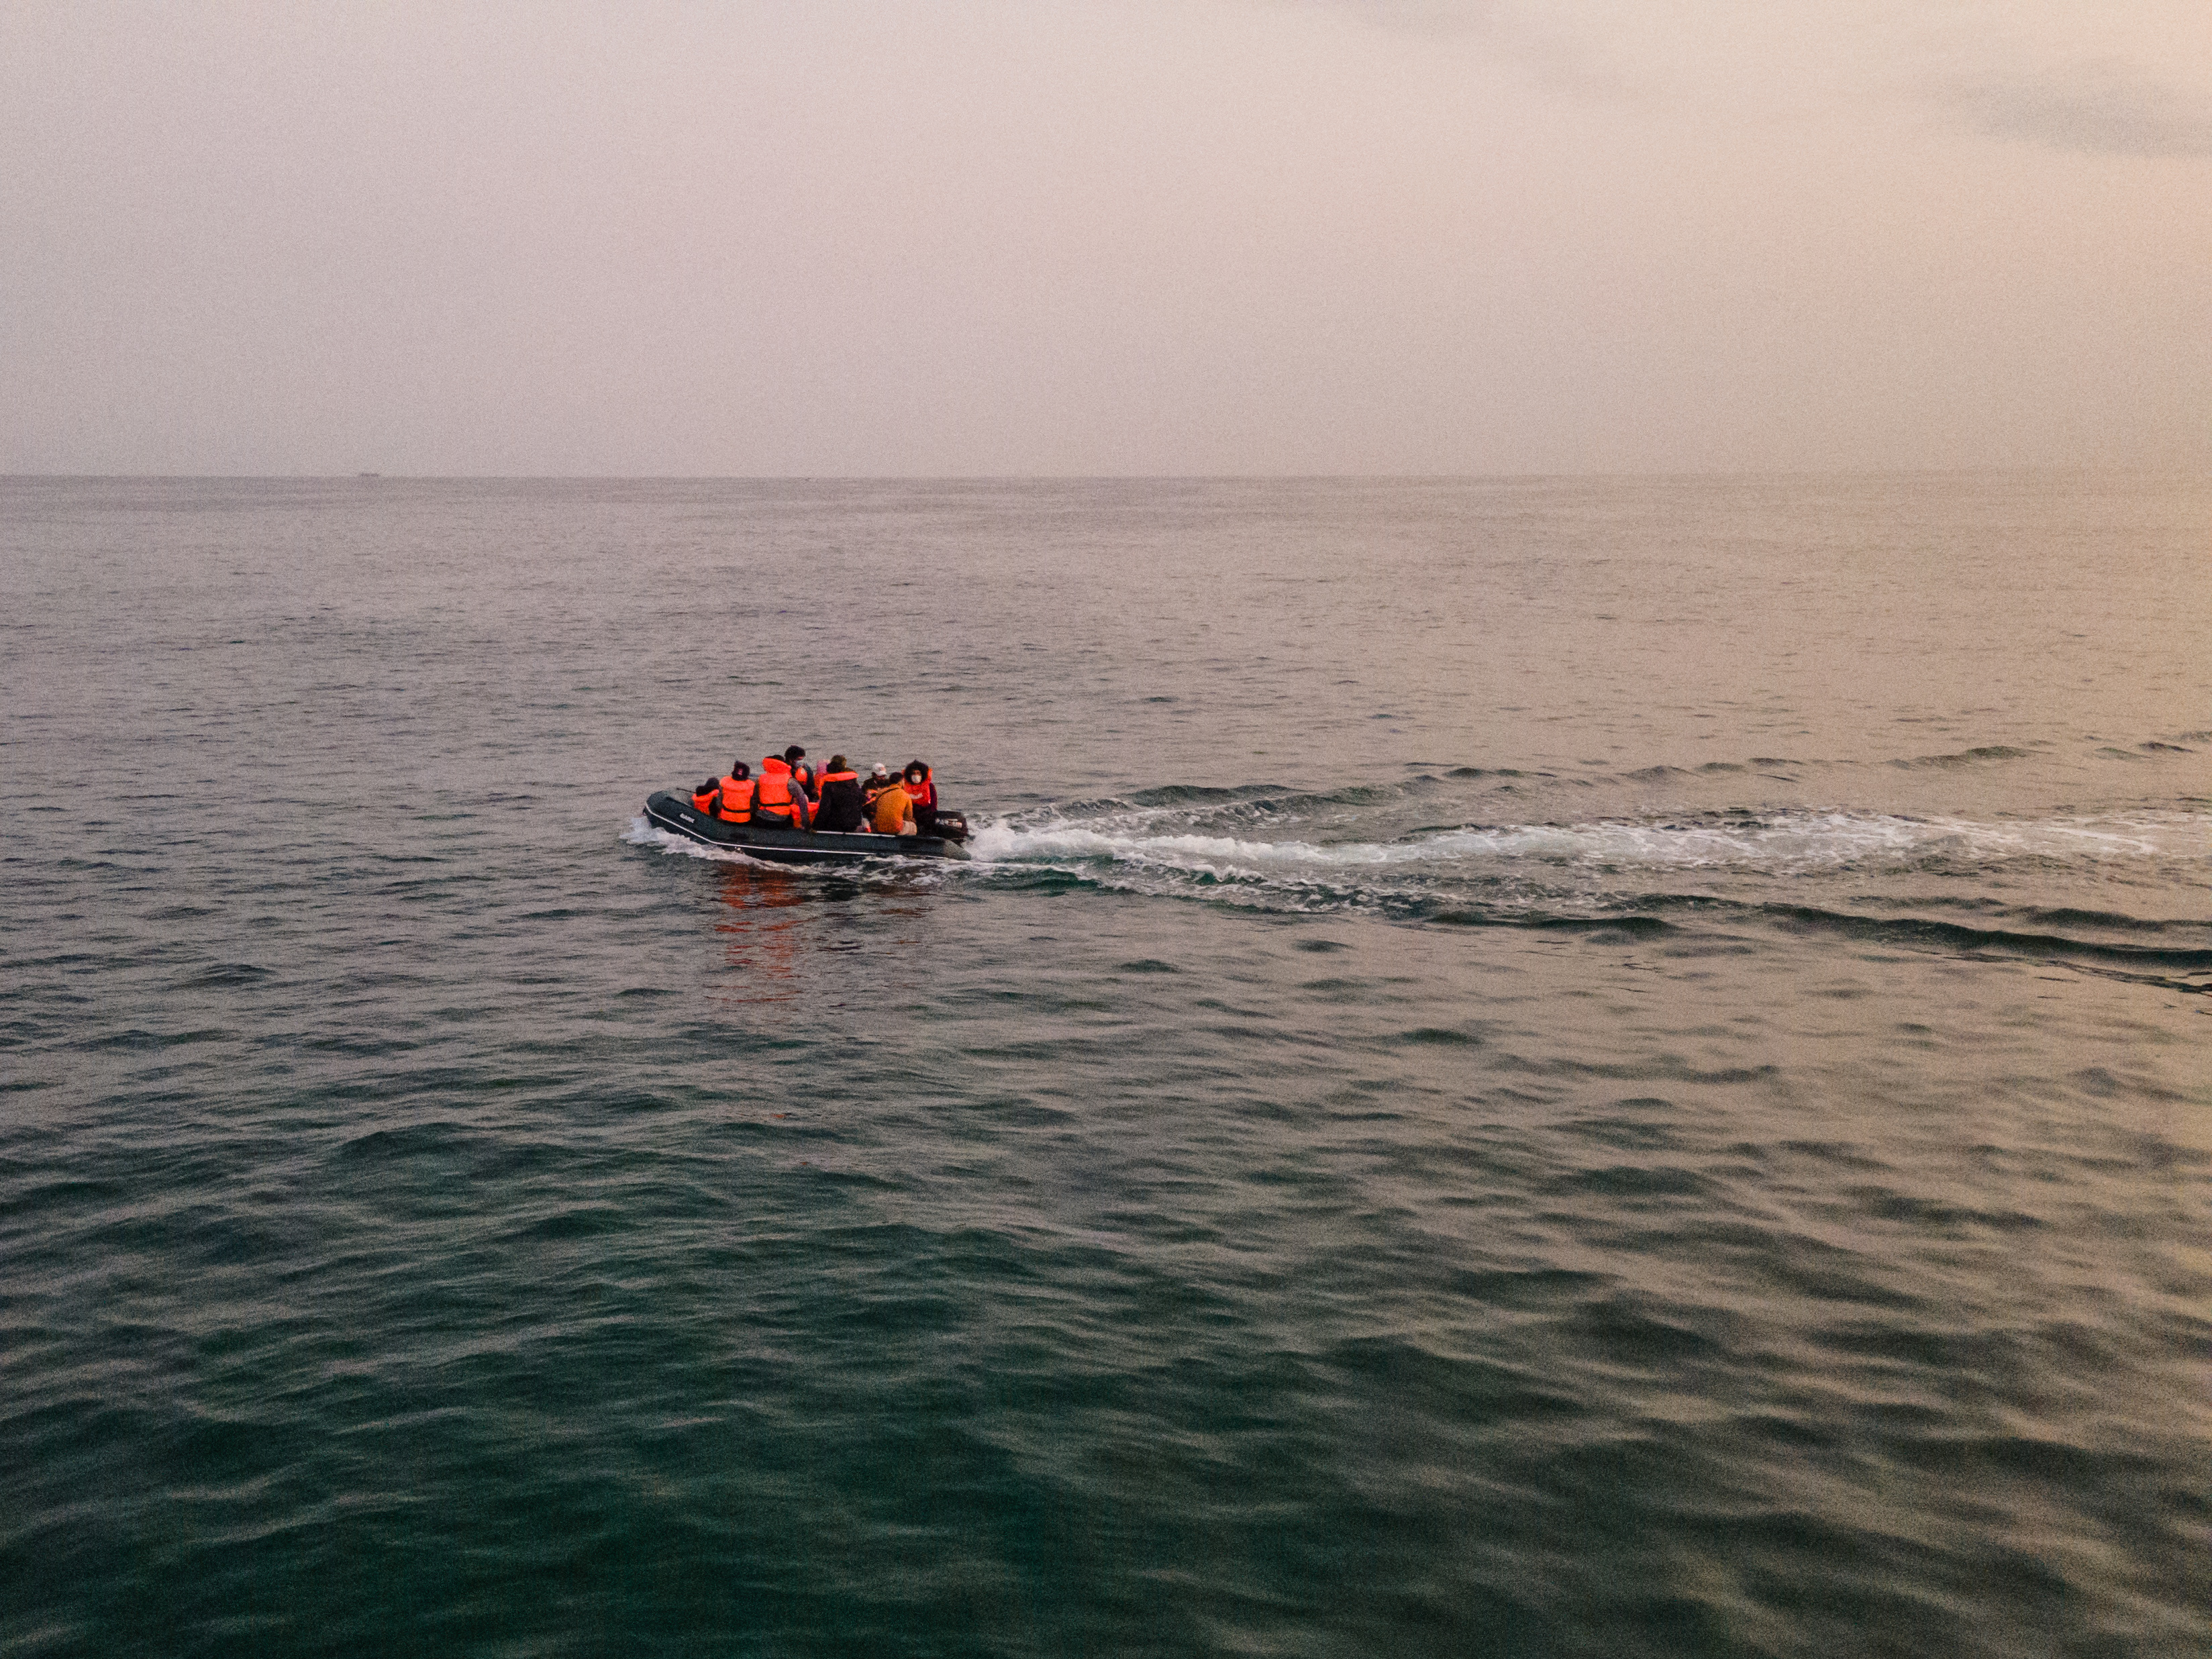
(1528,1068)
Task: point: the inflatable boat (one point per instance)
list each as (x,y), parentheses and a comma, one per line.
(675,813)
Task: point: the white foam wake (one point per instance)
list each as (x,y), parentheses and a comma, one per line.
(644,832)
(1800,842)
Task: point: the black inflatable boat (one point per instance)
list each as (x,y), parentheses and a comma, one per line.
(675,813)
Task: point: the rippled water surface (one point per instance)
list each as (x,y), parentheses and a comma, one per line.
(1525,1067)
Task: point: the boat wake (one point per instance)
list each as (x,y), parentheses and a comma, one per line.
(644,832)
(2068,888)
(1778,843)
(2055,888)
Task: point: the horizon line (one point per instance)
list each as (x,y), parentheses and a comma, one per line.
(370,477)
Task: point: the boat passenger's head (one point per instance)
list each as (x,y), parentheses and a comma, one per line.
(916,771)
(739,770)
(793,755)
(879,770)
(836,762)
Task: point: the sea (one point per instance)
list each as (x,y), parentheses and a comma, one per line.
(1523,1067)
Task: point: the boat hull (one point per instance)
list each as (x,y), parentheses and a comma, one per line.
(676,814)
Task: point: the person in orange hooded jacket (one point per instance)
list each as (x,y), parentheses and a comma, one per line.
(779,801)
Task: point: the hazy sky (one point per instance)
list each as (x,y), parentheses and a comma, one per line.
(963,236)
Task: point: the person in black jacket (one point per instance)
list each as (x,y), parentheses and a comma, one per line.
(839,809)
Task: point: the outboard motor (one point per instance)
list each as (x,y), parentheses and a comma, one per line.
(951,826)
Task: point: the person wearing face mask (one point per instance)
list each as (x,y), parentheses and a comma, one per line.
(922,790)
(795,759)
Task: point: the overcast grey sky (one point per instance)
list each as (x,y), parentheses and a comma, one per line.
(968,236)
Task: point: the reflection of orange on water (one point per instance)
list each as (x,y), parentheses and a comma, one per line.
(773,921)
(761,927)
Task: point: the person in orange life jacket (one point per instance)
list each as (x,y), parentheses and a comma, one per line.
(795,757)
(895,811)
(922,791)
(707,797)
(734,794)
(779,800)
(839,809)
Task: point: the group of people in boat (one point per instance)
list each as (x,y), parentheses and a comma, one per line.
(791,795)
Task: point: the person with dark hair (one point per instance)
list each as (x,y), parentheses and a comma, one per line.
(839,790)
(729,798)
(734,794)
(895,811)
(795,759)
(779,801)
(922,790)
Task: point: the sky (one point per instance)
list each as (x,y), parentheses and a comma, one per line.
(1052,237)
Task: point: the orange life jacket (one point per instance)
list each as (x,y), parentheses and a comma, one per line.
(779,799)
(703,800)
(737,801)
